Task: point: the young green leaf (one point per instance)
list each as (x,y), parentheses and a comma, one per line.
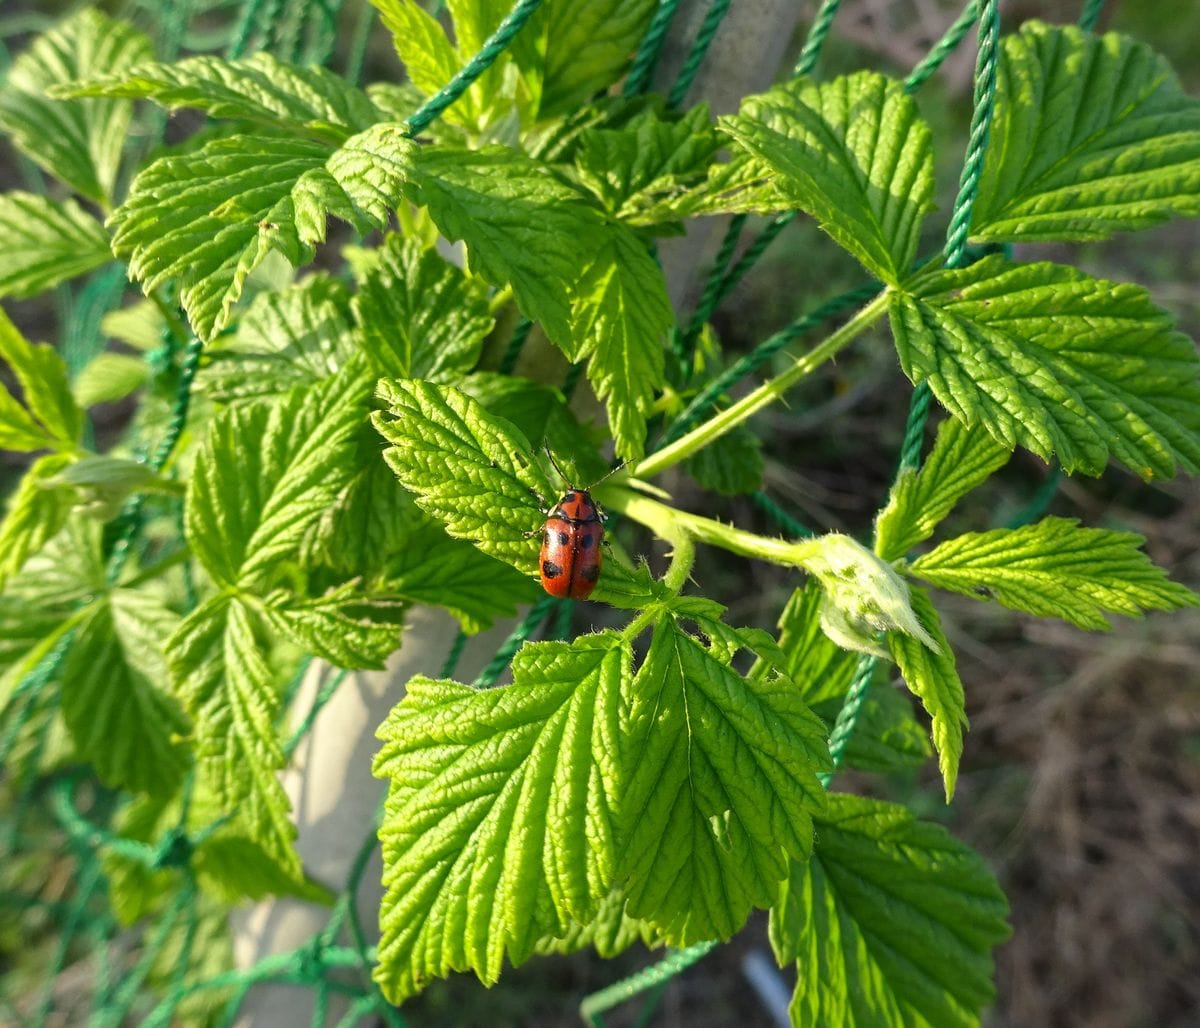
(265,474)
(218,665)
(76,141)
(43,378)
(433,568)
(932,677)
(139,325)
(1065,365)
(134,888)
(886,735)
(961,459)
(1055,568)
(295,336)
(855,154)
(46,242)
(109,377)
(609,933)
(722,789)
(621,312)
(259,88)
(122,723)
(500,817)
(588,44)
(631,167)
(428,56)
(206,219)
(892,921)
(1092,135)
(419,316)
(472,471)
(36,511)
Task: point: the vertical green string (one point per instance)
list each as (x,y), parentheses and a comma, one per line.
(1090,15)
(717,9)
(638,78)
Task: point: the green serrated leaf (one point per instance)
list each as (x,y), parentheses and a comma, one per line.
(932,677)
(109,377)
(77,141)
(43,378)
(499,823)
(1055,568)
(205,220)
(133,888)
(472,471)
(1063,364)
(419,316)
(892,922)
(218,664)
(428,56)
(265,474)
(855,154)
(961,459)
(722,790)
(36,512)
(348,627)
(362,183)
(621,314)
(588,45)
(259,89)
(632,167)
(435,569)
(122,723)
(521,224)
(1092,135)
(46,242)
(609,933)
(296,336)
(886,736)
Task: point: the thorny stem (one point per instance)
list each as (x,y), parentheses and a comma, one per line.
(767,393)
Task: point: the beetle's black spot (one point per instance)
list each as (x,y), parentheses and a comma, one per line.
(590,573)
(585,541)
(564,538)
(550,569)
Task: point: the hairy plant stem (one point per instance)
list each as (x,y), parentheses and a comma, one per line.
(682,558)
(683,529)
(765,394)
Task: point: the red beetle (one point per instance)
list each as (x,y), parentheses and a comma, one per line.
(570,560)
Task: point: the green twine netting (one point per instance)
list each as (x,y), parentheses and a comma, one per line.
(311,964)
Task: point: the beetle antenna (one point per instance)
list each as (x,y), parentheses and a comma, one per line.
(607,475)
(566,480)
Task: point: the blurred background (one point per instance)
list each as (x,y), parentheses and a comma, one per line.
(1080,781)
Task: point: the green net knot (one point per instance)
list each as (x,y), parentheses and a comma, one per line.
(311,961)
(174,849)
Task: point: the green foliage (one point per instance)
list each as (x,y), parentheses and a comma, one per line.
(931,676)
(348,451)
(1055,568)
(258,89)
(79,142)
(1093,135)
(891,922)
(1069,366)
(46,243)
(961,460)
(722,790)
(419,316)
(854,154)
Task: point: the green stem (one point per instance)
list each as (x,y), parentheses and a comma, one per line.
(682,529)
(766,394)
